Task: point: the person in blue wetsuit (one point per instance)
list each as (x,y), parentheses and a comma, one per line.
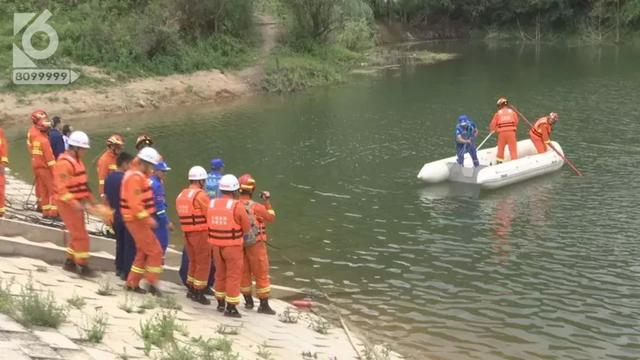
(125,246)
(56,139)
(161,216)
(466,133)
(211,185)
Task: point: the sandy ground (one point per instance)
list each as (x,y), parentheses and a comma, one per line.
(212,86)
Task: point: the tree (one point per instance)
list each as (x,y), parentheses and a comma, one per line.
(314,19)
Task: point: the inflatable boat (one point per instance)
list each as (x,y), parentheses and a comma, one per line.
(490,175)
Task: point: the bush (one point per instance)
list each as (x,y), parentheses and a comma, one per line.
(37,309)
(356,35)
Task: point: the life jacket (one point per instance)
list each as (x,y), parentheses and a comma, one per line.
(507,120)
(146,196)
(536,130)
(78,185)
(223,229)
(191,219)
(256,229)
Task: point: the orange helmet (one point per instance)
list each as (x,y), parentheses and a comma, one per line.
(247,183)
(115,139)
(39,115)
(143,139)
(553,116)
(502,102)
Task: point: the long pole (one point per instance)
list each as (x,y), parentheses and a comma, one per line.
(573,167)
(484,141)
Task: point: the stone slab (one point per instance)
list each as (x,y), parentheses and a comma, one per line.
(7,324)
(56,340)
(38,350)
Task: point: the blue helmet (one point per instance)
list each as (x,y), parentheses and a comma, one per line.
(464,120)
(217,164)
(162,166)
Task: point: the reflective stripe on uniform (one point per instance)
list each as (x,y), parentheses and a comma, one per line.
(263,290)
(154,269)
(232,299)
(51,163)
(4,159)
(137,270)
(219,294)
(142,214)
(2,210)
(70,251)
(101,182)
(197,282)
(245,289)
(81,255)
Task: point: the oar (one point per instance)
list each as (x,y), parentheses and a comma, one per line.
(573,167)
(484,141)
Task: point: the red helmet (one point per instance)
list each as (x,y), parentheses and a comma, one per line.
(115,139)
(553,116)
(247,183)
(143,139)
(39,115)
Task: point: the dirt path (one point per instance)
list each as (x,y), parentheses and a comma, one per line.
(211,86)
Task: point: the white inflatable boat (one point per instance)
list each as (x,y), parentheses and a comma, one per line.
(490,175)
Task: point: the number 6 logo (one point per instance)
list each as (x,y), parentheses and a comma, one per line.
(23,59)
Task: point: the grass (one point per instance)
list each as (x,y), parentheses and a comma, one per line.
(105,288)
(76,301)
(380,352)
(34,308)
(199,348)
(289,317)
(128,305)
(319,325)
(95,327)
(264,353)
(227,330)
(6,299)
(149,303)
(159,330)
(169,302)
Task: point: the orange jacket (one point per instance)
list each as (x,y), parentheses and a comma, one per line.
(70,179)
(4,149)
(192,205)
(263,213)
(40,149)
(228,222)
(136,197)
(541,130)
(106,164)
(504,119)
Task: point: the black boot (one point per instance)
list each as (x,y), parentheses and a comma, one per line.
(137,289)
(86,271)
(153,290)
(198,296)
(189,291)
(69,265)
(208,291)
(248,302)
(232,311)
(221,305)
(264,307)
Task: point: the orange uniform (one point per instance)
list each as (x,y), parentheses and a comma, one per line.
(192,205)
(72,188)
(106,164)
(136,207)
(228,222)
(42,162)
(540,134)
(505,123)
(4,161)
(256,260)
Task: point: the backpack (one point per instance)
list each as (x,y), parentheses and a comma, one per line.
(251,236)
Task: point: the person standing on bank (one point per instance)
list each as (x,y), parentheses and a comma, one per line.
(228,221)
(159,197)
(55,138)
(66,131)
(42,162)
(107,161)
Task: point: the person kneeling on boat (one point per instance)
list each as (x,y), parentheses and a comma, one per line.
(466,133)
(540,133)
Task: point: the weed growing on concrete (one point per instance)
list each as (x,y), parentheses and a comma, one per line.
(105,287)
(381,352)
(289,317)
(42,269)
(308,355)
(148,303)
(319,325)
(264,353)
(6,299)
(218,349)
(128,305)
(77,301)
(37,309)
(223,329)
(159,330)
(169,302)
(95,327)
(176,352)
(124,355)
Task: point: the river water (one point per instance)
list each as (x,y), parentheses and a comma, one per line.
(545,269)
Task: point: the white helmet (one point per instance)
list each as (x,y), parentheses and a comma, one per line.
(79,139)
(149,155)
(197,173)
(229,183)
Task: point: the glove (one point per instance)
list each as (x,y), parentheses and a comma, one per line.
(265,195)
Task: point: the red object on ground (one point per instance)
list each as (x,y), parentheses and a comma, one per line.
(302,303)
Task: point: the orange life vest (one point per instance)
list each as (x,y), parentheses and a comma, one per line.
(223,229)
(507,120)
(536,130)
(78,185)
(146,195)
(191,219)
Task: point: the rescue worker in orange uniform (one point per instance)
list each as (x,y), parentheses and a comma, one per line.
(42,162)
(540,133)
(505,123)
(107,161)
(136,207)
(192,205)
(73,197)
(228,221)
(256,259)
(4,161)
